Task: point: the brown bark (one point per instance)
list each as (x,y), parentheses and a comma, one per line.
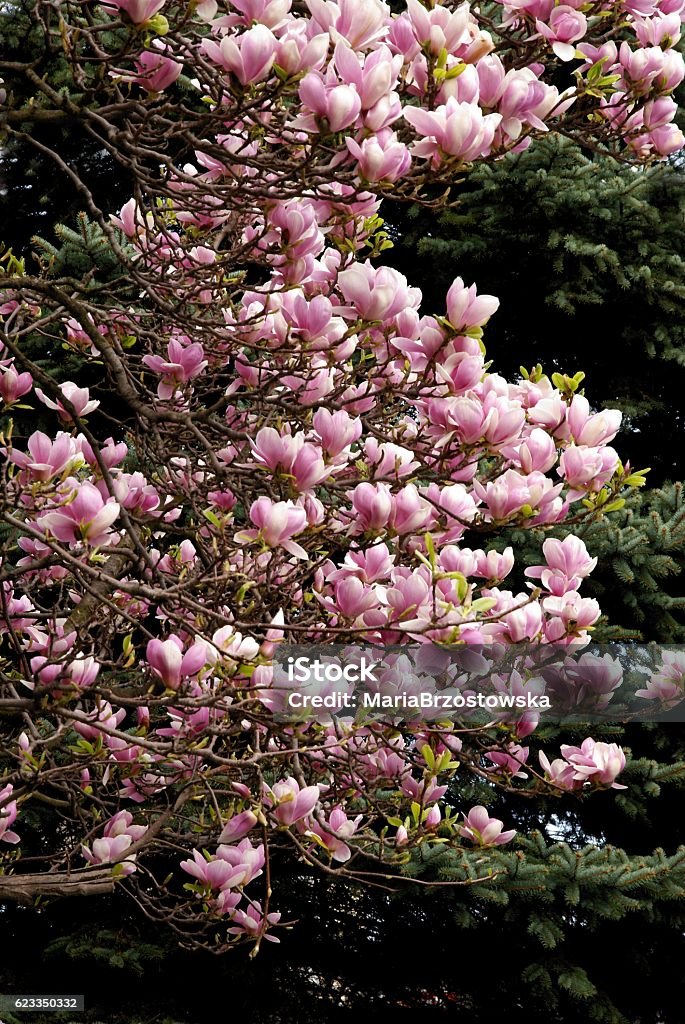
(27,888)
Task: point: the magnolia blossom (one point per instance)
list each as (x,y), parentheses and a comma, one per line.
(8,815)
(139,11)
(13,385)
(233,866)
(333,837)
(337,106)
(380,159)
(183,363)
(467,309)
(276,522)
(252,922)
(438,28)
(248,56)
(559,772)
(376,292)
(566,25)
(119,834)
(596,762)
(568,562)
(668,684)
(238,826)
(78,397)
(86,517)
(289,803)
(46,457)
(155,72)
(452,130)
(168,661)
(483,830)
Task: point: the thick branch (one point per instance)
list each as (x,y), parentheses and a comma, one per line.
(27,888)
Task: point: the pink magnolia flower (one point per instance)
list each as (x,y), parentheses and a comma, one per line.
(587,682)
(433,817)
(302,461)
(122,824)
(504,419)
(247,861)
(509,761)
(559,772)
(13,385)
(130,219)
(467,309)
(422,791)
(88,517)
(249,56)
(238,826)
(358,22)
(586,469)
(389,460)
(288,803)
(232,644)
(565,26)
(110,453)
(138,11)
(8,815)
(215,873)
(401,837)
(575,612)
(353,598)
(78,397)
(111,850)
(372,505)
(596,429)
(338,105)
(537,453)
(377,293)
(504,496)
(277,522)
(483,830)
(439,28)
(409,511)
(381,157)
(644,66)
(494,566)
(297,52)
(103,717)
(155,72)
(183,363)
(170,664)
(374,563)
(344,829)
(568,562)
(668,684)
(47,457)
(337,430)
(273,448)
(596,762)
(375,79)
(455,129)
(661,30)
(267,12)
(523,623)
(78,674)
(308,468)
(251,922)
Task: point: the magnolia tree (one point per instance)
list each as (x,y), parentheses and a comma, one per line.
(277,447)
